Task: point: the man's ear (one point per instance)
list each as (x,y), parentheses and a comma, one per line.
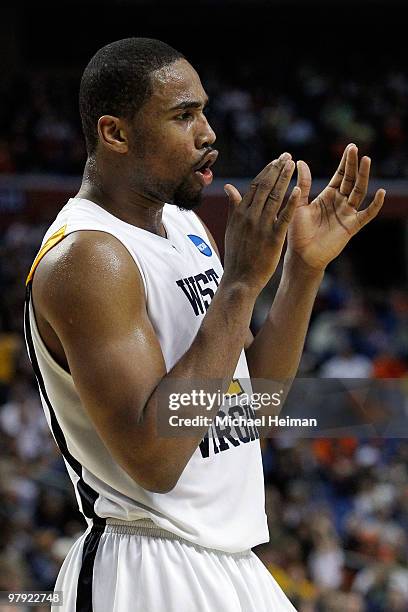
(112,134)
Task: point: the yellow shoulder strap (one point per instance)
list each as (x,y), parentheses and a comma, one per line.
(52,241)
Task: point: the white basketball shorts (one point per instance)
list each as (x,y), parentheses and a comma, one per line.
(118,567)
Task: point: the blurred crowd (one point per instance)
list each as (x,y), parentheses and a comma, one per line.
(338,518)
(337,507)
(38,516)
(314,114)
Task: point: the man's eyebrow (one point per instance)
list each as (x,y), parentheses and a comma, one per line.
(190,104)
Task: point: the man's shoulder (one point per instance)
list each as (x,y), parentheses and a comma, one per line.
(83,249)
(85,263)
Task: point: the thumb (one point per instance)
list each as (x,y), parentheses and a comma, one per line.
(233,194)
(304,182)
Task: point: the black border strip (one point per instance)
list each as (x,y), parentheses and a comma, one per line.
(87,494)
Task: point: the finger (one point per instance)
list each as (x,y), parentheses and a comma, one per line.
(269,173)
(366,215)
(287,212)
(234,198)
(270,197)
(360,188)
(233,194)
(338,175)
(285,156)
(304,182)
(350,171)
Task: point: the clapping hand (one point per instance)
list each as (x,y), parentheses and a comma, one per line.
(320,230)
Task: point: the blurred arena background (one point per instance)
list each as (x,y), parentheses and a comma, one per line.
(282,76)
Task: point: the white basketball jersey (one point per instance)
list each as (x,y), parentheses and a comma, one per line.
(218,501)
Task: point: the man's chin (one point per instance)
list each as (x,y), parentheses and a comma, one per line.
(187,201)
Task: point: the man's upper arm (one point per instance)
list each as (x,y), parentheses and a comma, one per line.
(90,291)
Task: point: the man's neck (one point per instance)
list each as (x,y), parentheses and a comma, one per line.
(133,208)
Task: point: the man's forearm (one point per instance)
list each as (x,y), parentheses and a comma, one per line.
(208,365)
(211,360)
(276,350)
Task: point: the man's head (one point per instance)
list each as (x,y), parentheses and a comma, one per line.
(141,106)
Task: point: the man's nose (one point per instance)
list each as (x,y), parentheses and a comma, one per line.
(206,135)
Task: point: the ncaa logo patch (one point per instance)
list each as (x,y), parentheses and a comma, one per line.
(201,245)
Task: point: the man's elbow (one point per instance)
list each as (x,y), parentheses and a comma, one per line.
(156,481)
(158,486)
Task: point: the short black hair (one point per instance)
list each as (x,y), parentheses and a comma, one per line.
(117,81)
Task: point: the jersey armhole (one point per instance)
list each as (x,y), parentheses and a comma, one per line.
(62,233)
(54,239)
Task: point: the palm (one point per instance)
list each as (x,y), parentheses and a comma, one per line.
(319,231)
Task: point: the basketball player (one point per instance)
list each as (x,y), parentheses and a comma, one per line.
(127,296)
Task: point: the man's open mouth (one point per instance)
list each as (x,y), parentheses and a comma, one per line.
(207,161)
(203,170)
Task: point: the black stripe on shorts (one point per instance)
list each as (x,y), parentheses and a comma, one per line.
(85,578)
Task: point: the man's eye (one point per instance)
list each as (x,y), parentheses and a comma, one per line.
(185,116)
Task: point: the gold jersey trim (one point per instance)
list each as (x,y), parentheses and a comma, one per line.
(52,241)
